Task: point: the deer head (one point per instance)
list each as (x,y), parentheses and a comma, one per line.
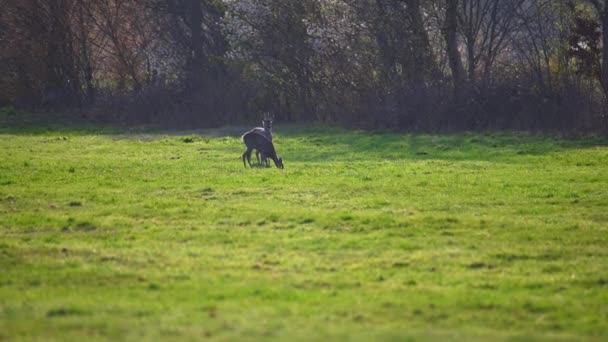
(267,121)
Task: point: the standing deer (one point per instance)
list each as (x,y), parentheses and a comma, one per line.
(260,143)
(266,131)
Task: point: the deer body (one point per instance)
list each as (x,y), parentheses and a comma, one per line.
(259,142)
(266,131)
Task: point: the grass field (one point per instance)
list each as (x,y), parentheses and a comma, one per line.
(130,235)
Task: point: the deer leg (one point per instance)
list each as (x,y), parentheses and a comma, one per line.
(249,150)
(247,155)
(257,156)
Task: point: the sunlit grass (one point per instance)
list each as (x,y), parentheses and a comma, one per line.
(165,235)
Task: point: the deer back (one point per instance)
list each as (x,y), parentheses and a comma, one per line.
(262,131)
(259,142)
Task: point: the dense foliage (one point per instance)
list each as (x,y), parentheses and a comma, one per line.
(413,64)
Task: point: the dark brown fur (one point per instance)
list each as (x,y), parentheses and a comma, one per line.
(255,141)
(266,131)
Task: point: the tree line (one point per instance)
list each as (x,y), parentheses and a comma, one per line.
(410,64)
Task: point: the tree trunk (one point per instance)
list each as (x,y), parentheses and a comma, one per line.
(450,33)
(85,54)
(603,12)
(471,59)
(424,56)
(196,59)
(604,74)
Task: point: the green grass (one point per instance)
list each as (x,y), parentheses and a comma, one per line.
(111,234)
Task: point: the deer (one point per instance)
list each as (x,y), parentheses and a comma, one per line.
(266,131)
(259,142)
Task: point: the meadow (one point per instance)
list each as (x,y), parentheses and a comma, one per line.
(121,234)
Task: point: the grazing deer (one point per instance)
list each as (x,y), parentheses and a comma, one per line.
(266,131)
(260,143)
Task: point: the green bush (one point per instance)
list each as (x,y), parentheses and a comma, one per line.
(8,110)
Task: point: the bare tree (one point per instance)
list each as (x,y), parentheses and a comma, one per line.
(451,37)
(486,26)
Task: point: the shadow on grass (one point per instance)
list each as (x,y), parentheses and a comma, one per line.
(310,144)
(63,124)
(54,123)
(319,143)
